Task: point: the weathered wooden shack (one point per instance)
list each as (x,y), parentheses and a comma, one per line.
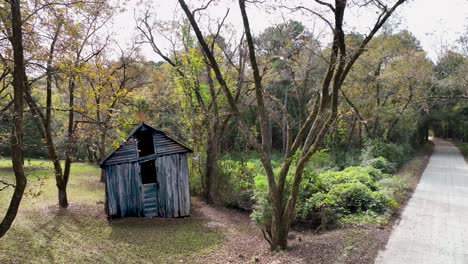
(147,175)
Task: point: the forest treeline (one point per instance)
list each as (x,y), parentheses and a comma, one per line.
(280,122)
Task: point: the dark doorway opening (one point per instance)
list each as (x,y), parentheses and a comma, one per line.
(148,172)
(145,143)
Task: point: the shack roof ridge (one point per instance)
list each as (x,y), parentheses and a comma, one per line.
(133,132)
(165,134)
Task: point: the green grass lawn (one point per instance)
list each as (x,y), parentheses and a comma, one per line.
(43,233)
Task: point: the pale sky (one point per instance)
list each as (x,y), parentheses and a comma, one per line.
(435,23)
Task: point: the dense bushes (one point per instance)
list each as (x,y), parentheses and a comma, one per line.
(366,175)
(262,213)
(381,164)
(236,180)
(327,196)
(463,147)
(363,193)
(354,190)
(396,154)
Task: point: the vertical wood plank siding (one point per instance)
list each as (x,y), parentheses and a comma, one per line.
(185,184)
(123,188)
(174,189)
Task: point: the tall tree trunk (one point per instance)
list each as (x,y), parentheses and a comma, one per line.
(91,154)
(46,133)
(48,119)
(284,123)
(19,84)
(102,153)
(349,140)
(212,151)
(71,148)
(45,124)
(359,134)
(214,134)
(280,229)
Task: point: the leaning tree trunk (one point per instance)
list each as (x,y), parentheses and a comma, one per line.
(47,134)
(45,120)
(209,177)
(19,82)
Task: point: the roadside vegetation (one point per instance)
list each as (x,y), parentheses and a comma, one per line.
(368,190)
(463,147)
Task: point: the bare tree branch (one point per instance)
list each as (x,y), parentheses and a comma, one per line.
(6,185)
(202,8)
(322,17)
(326,4)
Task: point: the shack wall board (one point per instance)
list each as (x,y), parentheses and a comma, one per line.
(174,188)
(123,189)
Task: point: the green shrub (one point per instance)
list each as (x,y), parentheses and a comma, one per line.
(463,148)
(235,183)
(320,161)
(194,178)
(374,148)
(262,210)
(351,157)
(381,164)
(322,207)
(338,194)
(407,150)
(396,154)
(381,202)
(396,187)
(367,175)
(366,217)
(307,188)
(327,197)
(351,197)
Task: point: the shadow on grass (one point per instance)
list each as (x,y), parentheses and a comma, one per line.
(82,234)
(159,237)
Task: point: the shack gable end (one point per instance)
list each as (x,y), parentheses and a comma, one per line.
(166,145)
(128,151)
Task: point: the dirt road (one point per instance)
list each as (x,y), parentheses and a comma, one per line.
(434,225)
